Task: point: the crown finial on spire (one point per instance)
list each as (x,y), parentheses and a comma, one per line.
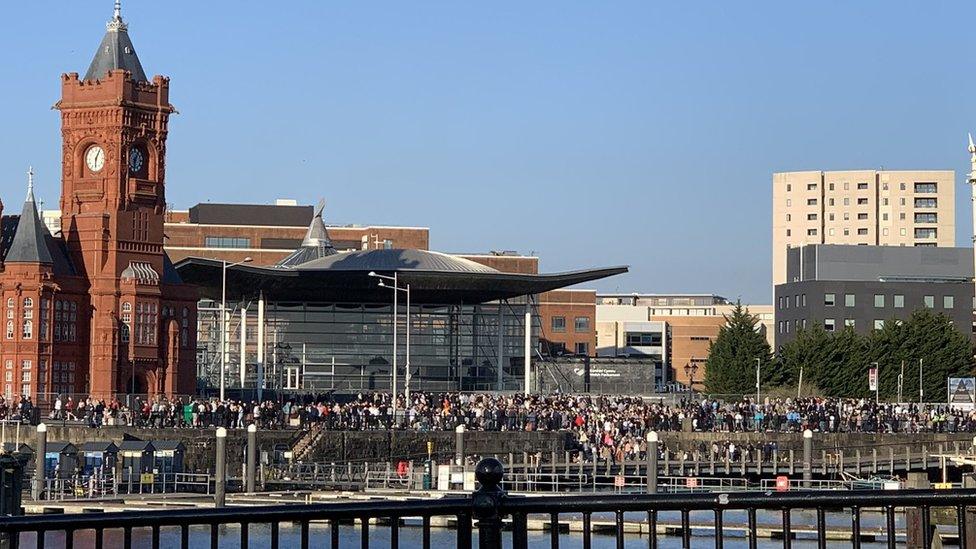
(117,24)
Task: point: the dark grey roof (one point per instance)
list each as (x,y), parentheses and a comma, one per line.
(99,446)
(251,214)
(166,445)
(29,244)
(395,260)
(116,52)
(136,445)
(316,244)
(60,447)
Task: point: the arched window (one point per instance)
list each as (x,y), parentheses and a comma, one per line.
(126,307)
(10,329)
(28,331)
(28,303)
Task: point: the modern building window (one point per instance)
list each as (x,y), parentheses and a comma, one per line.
(830,186)
(926,203)
(847,186)
(582,348)
(781,326)
(879,301)
(862,201)
(788,232)
(226,242)
(643,339)
(811,186)
(848,300)
(847,201)
(862,232)
(878,324)
(884,231)
(925,232)
(849,322)
(927,217)
(901,186)
(847,232)
(829,299)
(862,186)
(948,302)
(789,202)
(926,188)
(811,232)
(903,231)
(929,301)
(811,202)
(862,216)
(830,201)
(830,232)
(559,324)
(582,324)
(829,324)
(781,303)
(803,299)
(811,217)
(830,217)
(884,201)
(789,187)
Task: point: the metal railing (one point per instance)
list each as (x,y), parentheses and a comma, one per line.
(502,519)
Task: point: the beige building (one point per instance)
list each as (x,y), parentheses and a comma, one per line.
(677,330)
(864,207)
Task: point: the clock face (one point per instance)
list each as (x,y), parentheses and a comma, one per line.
(136,160)
(95,158)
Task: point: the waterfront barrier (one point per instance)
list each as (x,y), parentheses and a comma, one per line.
(503,519)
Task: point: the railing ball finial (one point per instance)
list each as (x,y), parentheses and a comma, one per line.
(489,473)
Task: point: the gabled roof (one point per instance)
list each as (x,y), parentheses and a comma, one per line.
(116,52)
(29,244)
(60,447)
(166,445)
(100,446)
(136,446)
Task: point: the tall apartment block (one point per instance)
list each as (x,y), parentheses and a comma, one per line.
(861,207)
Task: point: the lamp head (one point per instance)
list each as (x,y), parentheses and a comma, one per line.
(248,259)
(372,273)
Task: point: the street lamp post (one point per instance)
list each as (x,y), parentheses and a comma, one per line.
(758,366)
(223,320)
(406,289)
(877,382)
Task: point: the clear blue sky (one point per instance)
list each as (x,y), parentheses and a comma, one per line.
(590,133)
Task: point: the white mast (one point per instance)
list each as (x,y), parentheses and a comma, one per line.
(972,183)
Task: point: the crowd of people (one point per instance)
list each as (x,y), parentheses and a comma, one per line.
(608,427)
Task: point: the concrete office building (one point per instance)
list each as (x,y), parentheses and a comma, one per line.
(861,207)
(862,286)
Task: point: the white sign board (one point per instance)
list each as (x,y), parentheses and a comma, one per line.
(962,392)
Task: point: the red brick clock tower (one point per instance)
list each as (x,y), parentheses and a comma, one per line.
(114,129)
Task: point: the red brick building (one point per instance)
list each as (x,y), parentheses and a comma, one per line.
(98,308)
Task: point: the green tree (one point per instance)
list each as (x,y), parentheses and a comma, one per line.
(807,352)
(845,372)
(932,338)
(731,364)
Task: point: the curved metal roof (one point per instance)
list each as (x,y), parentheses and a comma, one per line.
(434,278)
(395,260)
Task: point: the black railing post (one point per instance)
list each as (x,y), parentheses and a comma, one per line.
(486,502)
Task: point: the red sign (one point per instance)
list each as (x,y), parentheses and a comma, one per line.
(873,379)
(782,483)
(691,482)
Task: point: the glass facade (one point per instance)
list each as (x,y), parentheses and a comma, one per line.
(348,347)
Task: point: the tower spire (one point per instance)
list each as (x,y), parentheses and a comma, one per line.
(118,9)
(30,184)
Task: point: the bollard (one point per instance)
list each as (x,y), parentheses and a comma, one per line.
(459,444)
(37,489)
(220,480)
(807,459)
(914,527)
(651,462)
(486,502)
(252,457)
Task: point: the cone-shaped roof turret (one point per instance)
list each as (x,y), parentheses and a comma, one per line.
(29,245)
(316,244)
(116,51)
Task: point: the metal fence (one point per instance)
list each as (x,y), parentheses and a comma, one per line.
(500,519)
